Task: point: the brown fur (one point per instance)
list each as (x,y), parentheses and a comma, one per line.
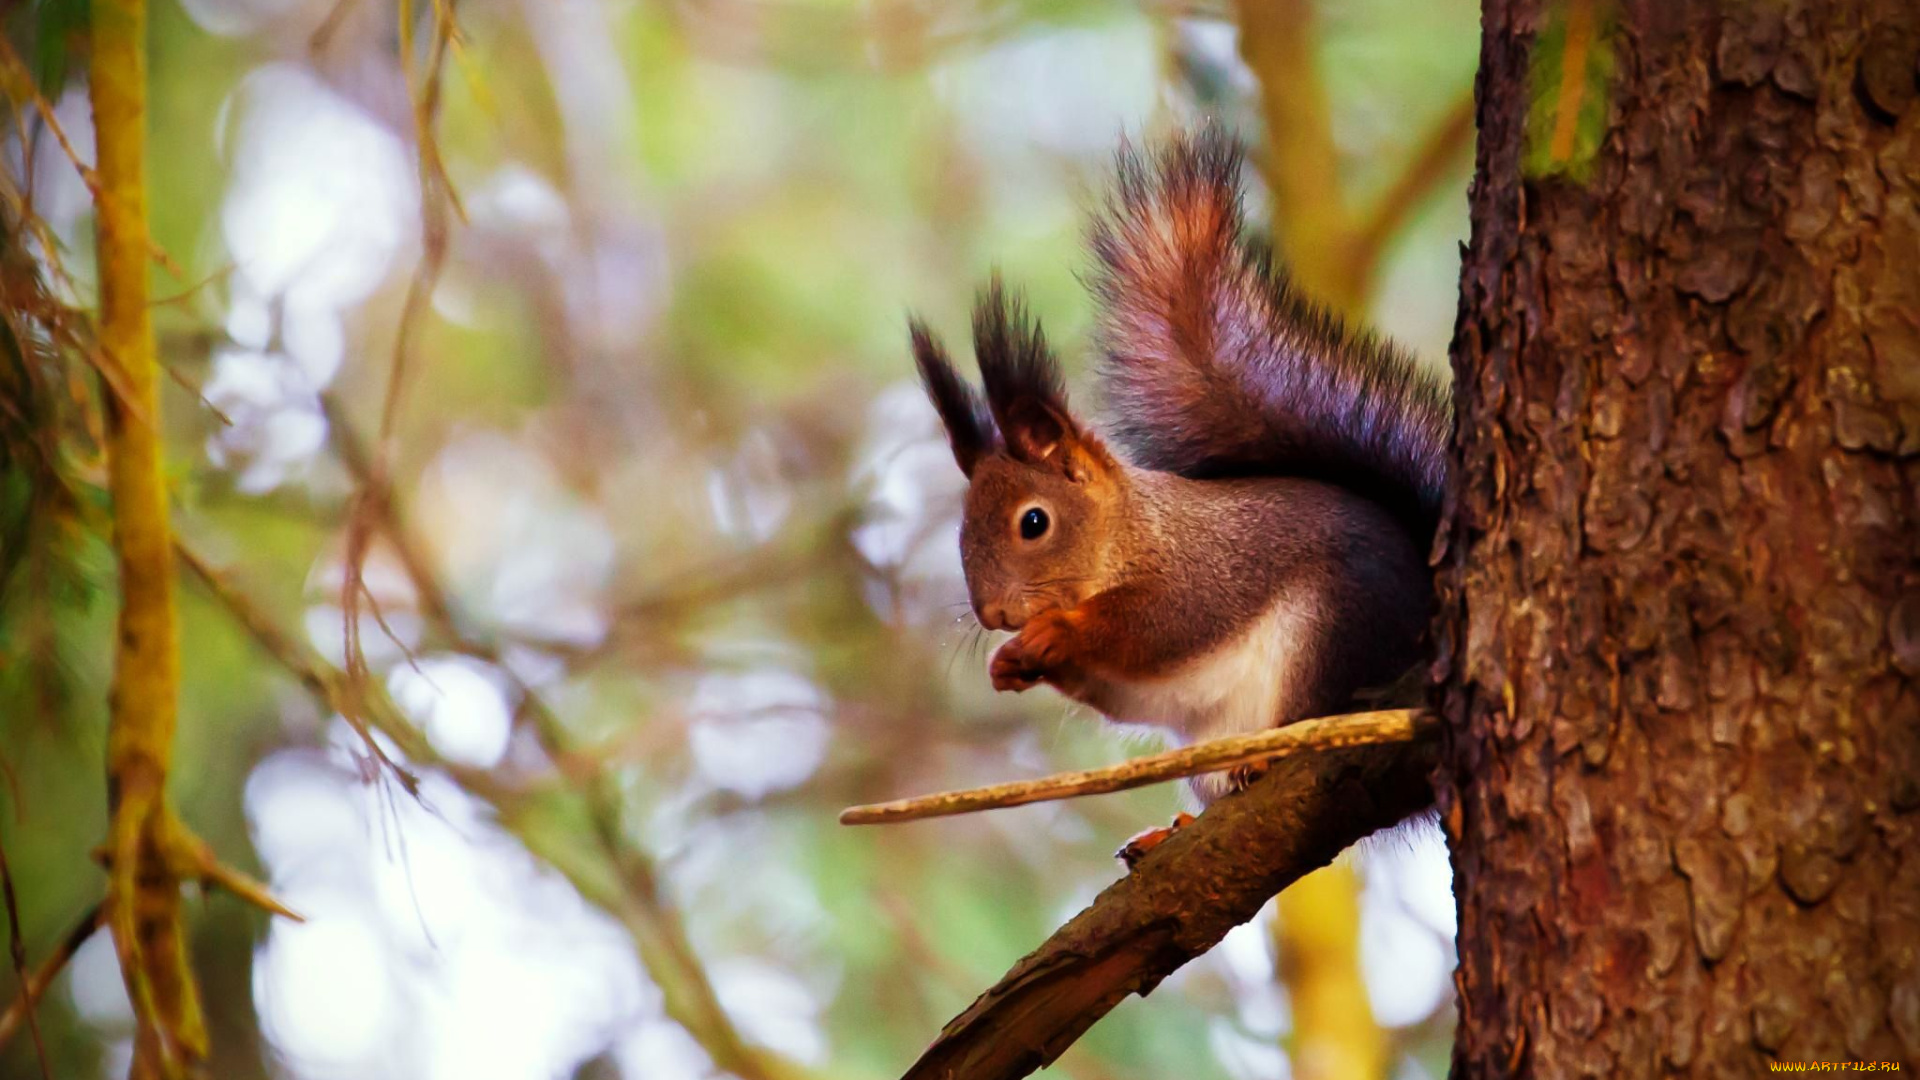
(1277,466)
(1184,567)
(1214,365)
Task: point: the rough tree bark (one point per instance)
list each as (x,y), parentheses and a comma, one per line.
(1681,584)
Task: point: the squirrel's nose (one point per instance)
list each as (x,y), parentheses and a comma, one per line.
(993,616)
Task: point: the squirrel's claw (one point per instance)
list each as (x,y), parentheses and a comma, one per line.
(1241,777)
(1146,840)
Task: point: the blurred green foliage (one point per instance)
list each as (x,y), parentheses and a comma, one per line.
(660,443)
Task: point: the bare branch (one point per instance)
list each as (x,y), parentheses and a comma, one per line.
(326,683)
(1449,138)
(615,874)
(654,925)
(1178,902)
(189,858)
(1333,251)
(17,953)
(21,1008)
(1313,227)
(1215,755)
(438,202)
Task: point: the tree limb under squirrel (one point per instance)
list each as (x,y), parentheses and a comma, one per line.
(1179,901)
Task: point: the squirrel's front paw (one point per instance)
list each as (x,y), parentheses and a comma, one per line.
(1009,670)
(1038,653)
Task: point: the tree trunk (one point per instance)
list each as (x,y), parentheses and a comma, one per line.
(1680,626)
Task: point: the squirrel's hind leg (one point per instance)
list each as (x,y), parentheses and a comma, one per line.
(1146,840)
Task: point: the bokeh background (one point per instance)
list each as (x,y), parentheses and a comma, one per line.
(665,573)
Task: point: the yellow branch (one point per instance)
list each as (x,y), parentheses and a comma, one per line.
(1313,228)
(1450,137)
(1571,96)
(1318,941)
(142,907)
(1215,755)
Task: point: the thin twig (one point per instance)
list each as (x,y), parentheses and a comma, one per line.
(668,955)
(17,953)
(1334,254)
(1327,733)
(189,858)
(17,73)
(436,197)
(1444,142)
(322,35)
(329,685)
(377,490)
(635,899)
(21,1008)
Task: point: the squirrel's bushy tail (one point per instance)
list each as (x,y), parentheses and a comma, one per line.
(1215,366)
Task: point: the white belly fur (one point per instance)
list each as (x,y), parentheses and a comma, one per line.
(1237,688)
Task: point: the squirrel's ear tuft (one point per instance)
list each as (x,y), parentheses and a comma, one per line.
(969,425)
(1025,390)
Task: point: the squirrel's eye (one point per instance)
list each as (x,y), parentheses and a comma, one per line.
(1033,524)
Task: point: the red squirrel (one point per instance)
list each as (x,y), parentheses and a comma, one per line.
(1244,542)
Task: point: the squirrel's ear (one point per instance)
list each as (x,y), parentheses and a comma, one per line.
(1040,434)
(1025,392)
(969,425)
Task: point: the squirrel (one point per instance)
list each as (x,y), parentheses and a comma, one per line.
(1244,544)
